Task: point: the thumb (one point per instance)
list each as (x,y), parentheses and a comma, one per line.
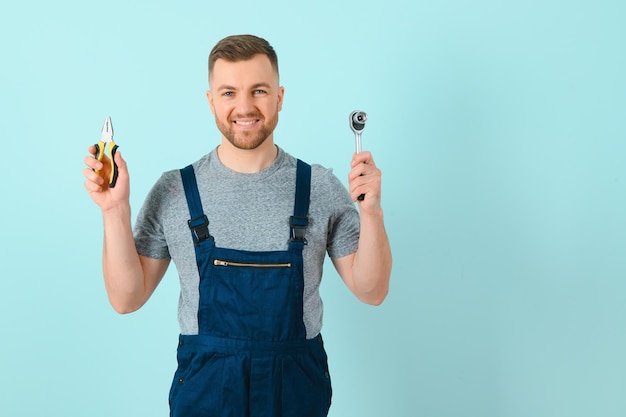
(119,160)
(122,169)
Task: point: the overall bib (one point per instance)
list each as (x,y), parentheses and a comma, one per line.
(251,357)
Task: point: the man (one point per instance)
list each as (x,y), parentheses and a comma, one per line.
(248,227)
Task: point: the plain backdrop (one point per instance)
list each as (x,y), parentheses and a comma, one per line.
(500,129)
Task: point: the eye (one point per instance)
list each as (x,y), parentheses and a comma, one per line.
(228,94)
(259,92)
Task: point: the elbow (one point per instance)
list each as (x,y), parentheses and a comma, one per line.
(372,286)
(124,301)
(123,308)
(375,301)
(374,298)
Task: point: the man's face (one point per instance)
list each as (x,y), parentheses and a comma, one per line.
(245,99)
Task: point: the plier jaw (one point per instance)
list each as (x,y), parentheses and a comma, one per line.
(106,143)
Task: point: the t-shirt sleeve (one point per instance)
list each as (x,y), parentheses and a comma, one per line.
(148,230)
(343,233)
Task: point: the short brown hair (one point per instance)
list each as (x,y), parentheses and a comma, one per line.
(240,48)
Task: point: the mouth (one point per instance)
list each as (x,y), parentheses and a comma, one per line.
(245,122)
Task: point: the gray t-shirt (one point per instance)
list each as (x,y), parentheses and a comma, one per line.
(247,212)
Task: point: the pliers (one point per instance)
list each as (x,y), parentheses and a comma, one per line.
(107,140)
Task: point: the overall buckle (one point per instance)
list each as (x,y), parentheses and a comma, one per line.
(200,228)
(298,226)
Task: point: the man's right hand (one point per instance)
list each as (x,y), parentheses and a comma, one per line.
(129,278)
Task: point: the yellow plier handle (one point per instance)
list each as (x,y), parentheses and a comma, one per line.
(100,151)
(107,143)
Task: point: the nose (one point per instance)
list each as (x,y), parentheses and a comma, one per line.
(245,104)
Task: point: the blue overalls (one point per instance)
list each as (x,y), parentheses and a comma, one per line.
(251,357)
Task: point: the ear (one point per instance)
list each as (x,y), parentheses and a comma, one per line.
(281,94)
(209,97)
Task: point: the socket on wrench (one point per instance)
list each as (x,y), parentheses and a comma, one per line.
(357,124)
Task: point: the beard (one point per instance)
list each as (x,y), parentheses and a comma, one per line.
(247,140)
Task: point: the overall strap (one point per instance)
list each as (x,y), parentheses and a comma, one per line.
(299,221)
(199,222)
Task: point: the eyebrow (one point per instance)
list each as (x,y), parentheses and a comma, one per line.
(254,87)
(265,85)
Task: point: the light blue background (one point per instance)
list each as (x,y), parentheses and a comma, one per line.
(500,129)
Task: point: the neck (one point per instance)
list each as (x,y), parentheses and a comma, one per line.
(247,161)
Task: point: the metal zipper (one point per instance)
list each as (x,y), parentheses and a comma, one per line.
(219,262)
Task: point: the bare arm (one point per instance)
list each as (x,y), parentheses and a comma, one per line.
(130,279)
(367,271)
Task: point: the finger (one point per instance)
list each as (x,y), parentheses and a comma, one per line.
(92,187)
(359,182)
(370,188)
(363,174)
(356,183)
(357,171)
(93,163)
(91,176)
(362,169)
(364,157)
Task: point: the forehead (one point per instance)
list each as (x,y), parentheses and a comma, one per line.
(257,69)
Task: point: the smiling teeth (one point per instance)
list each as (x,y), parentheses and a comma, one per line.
(245,123)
